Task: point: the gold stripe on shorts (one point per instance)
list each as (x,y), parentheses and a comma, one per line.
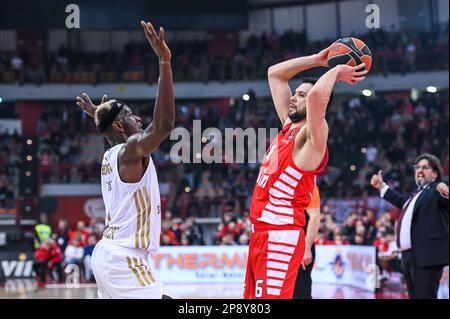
(132,266)
(140,267)
(147,272)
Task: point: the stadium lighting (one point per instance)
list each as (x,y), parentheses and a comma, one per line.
(246,97)
(29,158)
(1,99)
(414,94)
(353,168)
(367,92)
(29,141)
(364,150)
(431,89)
(187,189)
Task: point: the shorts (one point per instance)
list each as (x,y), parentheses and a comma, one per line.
(124,273)
(273,261)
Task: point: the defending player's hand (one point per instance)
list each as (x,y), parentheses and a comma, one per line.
(307,258)
(443,189)
(377,180)
(350,74)
(157,41)
(85,103)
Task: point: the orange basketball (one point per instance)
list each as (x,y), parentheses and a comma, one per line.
(351,51)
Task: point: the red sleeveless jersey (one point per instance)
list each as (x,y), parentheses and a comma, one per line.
(282,190)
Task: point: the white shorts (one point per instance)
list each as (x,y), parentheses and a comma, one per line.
(124,273)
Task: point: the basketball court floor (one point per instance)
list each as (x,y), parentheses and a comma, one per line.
(26,289)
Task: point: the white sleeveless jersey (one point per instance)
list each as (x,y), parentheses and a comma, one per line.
(133,217)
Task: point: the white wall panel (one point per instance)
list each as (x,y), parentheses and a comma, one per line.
(353,17)
(290,18)
(389,15)
(321,21)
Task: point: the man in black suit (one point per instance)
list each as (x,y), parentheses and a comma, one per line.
(422,227)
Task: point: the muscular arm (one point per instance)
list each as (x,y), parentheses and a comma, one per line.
(313,226)
(318,98)
(316,106)
(279,76)
(141,144)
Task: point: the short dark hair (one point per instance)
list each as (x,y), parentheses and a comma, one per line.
(313,81)
(433,161)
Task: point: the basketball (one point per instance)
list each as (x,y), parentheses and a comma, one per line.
(351,51)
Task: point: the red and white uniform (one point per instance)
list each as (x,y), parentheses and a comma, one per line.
(277,214)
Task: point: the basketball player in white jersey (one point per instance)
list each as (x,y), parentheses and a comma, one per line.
(130,187)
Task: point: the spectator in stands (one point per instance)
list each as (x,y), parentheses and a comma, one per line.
(358,239)
(196,231)
(168,236)
(321,238)
(244,239)
(88,274)
(42,231)
(17,66)
(80,233)
(339,240)
(48,258)
(227,240)
(74,252)
(62,234)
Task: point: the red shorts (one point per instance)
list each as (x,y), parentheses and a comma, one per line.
(274,258)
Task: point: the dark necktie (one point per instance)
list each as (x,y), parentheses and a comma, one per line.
(402,214)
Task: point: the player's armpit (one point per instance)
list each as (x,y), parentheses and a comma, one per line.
(317,135)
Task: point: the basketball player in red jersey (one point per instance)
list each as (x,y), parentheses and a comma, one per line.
(288,175)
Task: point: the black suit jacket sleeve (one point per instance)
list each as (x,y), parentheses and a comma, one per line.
(395,198)
(443,202)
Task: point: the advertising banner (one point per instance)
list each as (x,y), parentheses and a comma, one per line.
(346,265)
(16,265)
(201,264)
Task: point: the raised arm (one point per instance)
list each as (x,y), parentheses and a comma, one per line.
(280,74)
(318,97)
(141,144)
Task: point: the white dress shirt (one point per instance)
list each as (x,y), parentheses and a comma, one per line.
(405,229)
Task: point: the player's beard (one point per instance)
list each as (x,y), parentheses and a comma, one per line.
(297,116)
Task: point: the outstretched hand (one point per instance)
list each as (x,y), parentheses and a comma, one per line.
(85,103)
(157,41)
